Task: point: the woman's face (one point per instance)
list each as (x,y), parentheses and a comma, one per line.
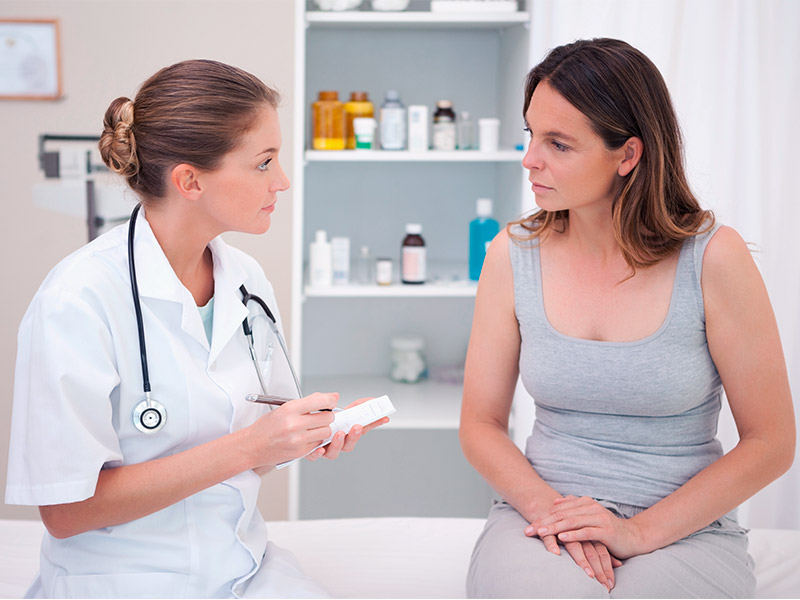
(241,194)
(570,166)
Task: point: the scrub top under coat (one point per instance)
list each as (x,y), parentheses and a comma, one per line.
(78,378)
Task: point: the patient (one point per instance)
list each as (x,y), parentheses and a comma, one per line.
(627,310)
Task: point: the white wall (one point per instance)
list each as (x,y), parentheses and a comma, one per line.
(107,49)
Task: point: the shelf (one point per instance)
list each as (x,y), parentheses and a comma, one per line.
(461,289)
(406,156)
(424,405)
(402,19)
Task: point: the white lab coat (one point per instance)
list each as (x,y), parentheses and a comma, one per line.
(78,378)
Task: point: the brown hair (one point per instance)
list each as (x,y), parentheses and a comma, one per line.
(192,112)
(622,94)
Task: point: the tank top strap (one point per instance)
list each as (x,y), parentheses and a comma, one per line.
(526,270)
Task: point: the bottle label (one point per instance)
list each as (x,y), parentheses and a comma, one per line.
(414,264)
(444,136)
(393,128)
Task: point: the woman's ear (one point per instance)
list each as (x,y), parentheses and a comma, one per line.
(633,149)
(184,178)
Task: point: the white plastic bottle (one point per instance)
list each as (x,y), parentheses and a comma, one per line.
(340,259)
(393,122)
(319,261)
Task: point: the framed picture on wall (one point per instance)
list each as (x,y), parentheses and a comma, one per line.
(30,65)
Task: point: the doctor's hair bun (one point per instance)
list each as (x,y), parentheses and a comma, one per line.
(117,143)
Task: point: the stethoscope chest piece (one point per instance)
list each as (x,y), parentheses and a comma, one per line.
(149,416)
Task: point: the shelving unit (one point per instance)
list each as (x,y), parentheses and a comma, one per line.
(341,334)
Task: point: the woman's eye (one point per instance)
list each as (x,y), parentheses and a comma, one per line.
(263,166)
(560,147)
(528,130)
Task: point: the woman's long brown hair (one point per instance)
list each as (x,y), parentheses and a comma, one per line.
(622,94)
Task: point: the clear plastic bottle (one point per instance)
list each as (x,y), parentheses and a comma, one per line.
(327,122)
(357,107)
(465,129)
(482,231)
(413,259)
(444,126)
(393,122)
(365,267)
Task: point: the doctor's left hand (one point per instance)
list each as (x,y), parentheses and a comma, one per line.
(346,443)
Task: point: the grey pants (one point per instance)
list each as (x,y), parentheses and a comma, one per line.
(711,563)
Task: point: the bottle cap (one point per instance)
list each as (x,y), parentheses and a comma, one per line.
(322,237)
(484,207)
(392,95)
(444,104)
(465,116)
(328,95)
(364,251)
(358,96)
(408,343)
(414,228)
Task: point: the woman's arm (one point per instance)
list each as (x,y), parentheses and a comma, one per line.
(134,491)
(489,381)
(745,346)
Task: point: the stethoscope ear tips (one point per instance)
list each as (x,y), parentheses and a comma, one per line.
(149,416)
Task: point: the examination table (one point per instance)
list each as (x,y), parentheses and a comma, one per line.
(394,557)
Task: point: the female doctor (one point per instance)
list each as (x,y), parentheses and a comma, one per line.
(154,494)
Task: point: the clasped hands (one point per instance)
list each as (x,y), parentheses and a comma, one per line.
(594,536)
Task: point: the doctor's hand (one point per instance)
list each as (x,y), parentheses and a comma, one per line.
(346,443)
(291,430)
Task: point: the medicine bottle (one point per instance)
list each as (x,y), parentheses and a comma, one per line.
(481,233)
(466,131)
(408,360)
(327,122)
(413,259)
(393,122)
(358,106)
(444,126)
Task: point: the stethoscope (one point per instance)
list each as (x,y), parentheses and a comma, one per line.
(149,416)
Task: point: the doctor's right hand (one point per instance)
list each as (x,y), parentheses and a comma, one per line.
(291,430)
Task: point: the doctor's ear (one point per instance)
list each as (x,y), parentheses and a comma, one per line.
(632,154)
(184,178)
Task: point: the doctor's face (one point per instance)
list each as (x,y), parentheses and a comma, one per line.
(241,194)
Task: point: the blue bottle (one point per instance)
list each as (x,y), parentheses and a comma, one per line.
(481,232)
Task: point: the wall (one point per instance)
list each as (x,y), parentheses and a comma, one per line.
(107,49)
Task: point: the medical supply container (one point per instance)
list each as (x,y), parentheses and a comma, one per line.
(358,106)
(444,126)
(488,134)
(393,122)
(340,260)
(418,128)
(413,258)
(482,231)
(383,271)
(364,129)
(364,267)
(408,359)
(320,269)
(465,131)
(327,122)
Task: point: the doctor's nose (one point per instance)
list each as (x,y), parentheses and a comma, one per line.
(281,182)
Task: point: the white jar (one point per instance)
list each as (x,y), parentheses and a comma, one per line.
(408,359)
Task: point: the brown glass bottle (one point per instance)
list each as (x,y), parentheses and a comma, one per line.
(358,106)
(413,259)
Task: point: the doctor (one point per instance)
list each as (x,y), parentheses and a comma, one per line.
(154,494)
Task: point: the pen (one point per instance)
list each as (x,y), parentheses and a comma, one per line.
(273,400)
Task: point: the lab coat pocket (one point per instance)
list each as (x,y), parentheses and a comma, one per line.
(122,585)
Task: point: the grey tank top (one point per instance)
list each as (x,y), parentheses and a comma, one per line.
(628,422)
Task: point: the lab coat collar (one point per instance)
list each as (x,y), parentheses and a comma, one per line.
(156,279)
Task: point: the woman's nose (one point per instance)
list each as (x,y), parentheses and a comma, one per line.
(281,183)
(532,158)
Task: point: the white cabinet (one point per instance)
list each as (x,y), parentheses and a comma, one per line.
(341,334)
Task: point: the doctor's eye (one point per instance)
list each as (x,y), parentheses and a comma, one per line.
(263,166)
